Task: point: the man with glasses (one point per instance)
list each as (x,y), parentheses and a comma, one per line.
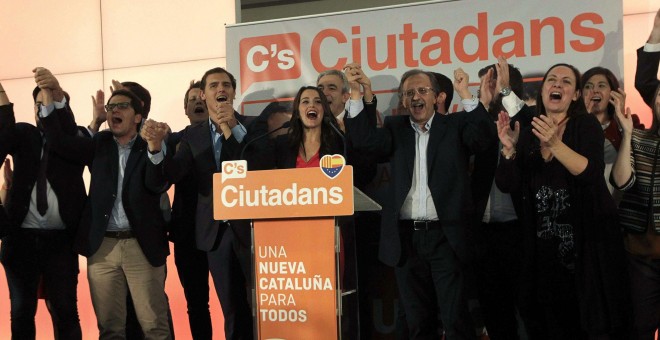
(43,207)
(424,226)
(122,231)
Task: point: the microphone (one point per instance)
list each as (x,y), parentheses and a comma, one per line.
(339,132)
(284,126)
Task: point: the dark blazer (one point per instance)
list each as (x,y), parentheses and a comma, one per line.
(485,164)
(23,142)
(453,138)
(181,228)
(140,194)
(195,155)
(646,75)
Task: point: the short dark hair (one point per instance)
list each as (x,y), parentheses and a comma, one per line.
(136,102)
(142,93)
(218,70)
(446,86)
(195,85)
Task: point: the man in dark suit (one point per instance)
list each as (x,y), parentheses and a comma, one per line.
(497,231)
(191,263)
(423,231)
(201,151)
(122,231)
(42,210)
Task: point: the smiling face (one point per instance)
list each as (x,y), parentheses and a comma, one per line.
(559,90)
(311,109)
(123,122)
(332,87)
(596,92)
(218,88)
(195,108)
(420,107)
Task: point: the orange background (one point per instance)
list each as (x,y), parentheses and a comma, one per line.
(311,241)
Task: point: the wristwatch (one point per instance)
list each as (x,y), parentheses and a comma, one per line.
(505,91)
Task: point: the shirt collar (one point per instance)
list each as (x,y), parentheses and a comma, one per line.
(128,145)
(427,125)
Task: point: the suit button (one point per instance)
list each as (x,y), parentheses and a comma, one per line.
(114,195)
(106,216)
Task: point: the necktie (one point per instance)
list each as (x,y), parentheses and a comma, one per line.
(42,196)
(217,148)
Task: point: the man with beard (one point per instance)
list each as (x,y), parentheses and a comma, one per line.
(43,208)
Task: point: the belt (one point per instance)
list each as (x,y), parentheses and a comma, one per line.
(419,225)
(120,234)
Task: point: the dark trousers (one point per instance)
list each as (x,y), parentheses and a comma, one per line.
(193,267)
(230,268)
(497,264)
(431,280)
(29,256)
(645,287)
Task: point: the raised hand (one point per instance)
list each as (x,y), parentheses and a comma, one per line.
(99,114)
(154,133)
(623,115)
(485,94)
(502,67)
(46,80)
(547,130)
(116,85)
(461,83)
(508,137)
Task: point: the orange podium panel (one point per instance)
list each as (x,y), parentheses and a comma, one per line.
(297,291)
(309,192)
(295,279)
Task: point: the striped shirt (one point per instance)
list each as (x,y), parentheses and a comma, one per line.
(641,199)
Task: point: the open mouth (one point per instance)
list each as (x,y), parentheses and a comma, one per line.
(417,106)
(555,96)
(596,99)
(312,114)
(221,98)
(199,109)
(117,120)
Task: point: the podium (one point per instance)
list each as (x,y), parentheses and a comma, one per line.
(303,250)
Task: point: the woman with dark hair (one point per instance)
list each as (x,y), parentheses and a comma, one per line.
(636,172)
(309,138)
(597,86)
(571,282)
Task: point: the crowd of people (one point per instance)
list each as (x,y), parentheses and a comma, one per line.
(546,216)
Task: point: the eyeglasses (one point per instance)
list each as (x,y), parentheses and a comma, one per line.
(121,106)
(422,91)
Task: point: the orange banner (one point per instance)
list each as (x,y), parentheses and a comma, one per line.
(294,264)
(308,192)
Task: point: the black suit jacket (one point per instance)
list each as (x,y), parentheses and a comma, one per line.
(181,228)
(140,194)
(646,80)
(195,155)
(453,138)
(23,142)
